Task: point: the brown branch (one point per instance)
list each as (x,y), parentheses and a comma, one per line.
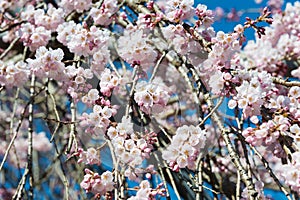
(9,47)
(30,132)
(266,165)
(285,82)
(232,153)
(72,135)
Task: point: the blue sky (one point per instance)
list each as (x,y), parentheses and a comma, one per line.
(238,5)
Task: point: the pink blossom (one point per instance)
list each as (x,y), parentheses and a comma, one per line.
(183,150)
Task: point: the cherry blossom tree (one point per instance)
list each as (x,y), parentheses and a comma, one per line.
(142,99)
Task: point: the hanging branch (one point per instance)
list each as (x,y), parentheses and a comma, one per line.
(72,135)
(30,132)
(233,155)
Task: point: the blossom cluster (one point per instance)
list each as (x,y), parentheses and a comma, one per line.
(291,174)
(281,40)
(96,183)
(89,157)
(206,16)
(221,58)
(130,149)
(145,191)
(151,97)
(104,15)
(185,147)
(78,5)
(256,87)
(34,37)
(108,82)
(174,45)
(282,124)
(11,4)
(287,103)
(98,120)
(134,47)
(76,83)
(48,63)
(267,134)
(49,19)
(148,21)
(183,43)
(82,40)
(13,74)
(177,10)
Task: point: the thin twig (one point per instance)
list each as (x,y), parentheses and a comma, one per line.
(267,167)
(131,92)
(173,183)
(212,111)
(115,164)
(199,193)
(157,65)
(9,48)
(162,176)
(30,142)
(285,83)
(72,135)
(56,115)
(17,130)
(233,155)
(238,186)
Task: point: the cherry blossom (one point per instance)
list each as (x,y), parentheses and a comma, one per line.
(148,92)
(14,74)
(134,48)
(151,97)
(104,14)
(185,147)
(33,37)
(96,183)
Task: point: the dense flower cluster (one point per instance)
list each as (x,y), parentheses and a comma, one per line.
(78,5)
(97,184)
(50,19)
(98,120)
(145,192)
(134,47)
(221,58)
(256,87)
(90,156)
(172,77)
(151,97)
(34,37)
(76,84)
(184,44)
(177,10)
(284,123)
(280,41)
(108,82)
(185,147)
(82,40)
(287,103)
(291,173)
(267,134)
(130,149)
(48,63)
(206,16)
(13,74)
(104,14)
